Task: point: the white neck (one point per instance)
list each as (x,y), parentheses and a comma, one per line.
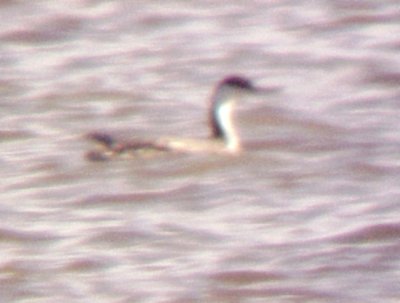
(224,116)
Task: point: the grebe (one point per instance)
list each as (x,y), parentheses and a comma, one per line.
(223,138)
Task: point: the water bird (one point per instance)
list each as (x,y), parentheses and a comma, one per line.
(223,137)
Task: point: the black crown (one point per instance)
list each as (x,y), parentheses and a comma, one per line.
(238,82)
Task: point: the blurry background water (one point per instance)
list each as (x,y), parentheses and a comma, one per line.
(310,213)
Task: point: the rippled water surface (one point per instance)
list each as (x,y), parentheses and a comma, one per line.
(309,213)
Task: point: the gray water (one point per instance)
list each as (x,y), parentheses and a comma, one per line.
(309,213)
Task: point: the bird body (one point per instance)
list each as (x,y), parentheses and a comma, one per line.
(224,137)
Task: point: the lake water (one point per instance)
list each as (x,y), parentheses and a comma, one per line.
(309,213)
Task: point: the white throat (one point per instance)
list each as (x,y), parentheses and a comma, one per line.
(225,119)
